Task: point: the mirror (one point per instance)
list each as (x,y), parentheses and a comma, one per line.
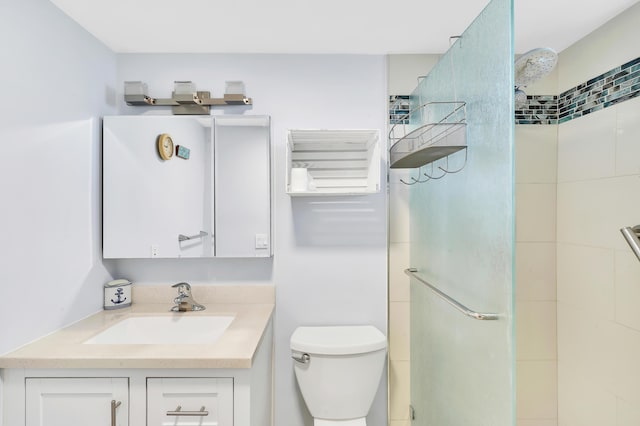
(152,206)
(186,186)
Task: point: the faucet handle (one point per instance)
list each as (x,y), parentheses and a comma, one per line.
(183,288)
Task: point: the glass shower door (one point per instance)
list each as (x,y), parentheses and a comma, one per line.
(462,238)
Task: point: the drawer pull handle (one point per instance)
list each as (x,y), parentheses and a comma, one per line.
(178,412)
(114,404)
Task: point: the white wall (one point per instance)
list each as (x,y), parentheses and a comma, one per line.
(57,81)
(598,276)
(330,262)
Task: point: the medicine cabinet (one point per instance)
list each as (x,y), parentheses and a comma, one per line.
(186,186)
(333,162)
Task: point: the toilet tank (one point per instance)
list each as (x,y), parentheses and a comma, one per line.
(340,378)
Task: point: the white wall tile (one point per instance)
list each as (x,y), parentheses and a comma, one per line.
(536,212)
(535,271)
(404,71)
(587,347)
(399,282)
(537,422)
(628,414)
(626,364)
(583,403)
(399,331)
(399,390)
(627,289)
(585,278)
(536,153)
(586,147)
(606,47)
(537,392)
(399,213)
(406,422)
(628,129)
(592,212)
(583,212)
(536,330)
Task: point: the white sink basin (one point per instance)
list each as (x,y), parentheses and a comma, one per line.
(163,330)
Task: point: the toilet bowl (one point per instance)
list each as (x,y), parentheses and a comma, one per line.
(338,369)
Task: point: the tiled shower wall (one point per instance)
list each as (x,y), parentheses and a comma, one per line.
(576,185)
(598,277)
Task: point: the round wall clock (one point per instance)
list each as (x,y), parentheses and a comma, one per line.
(165,146)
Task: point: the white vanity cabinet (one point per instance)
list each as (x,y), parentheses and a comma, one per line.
(76,401)
(139,397)
(179,401)
(69,392)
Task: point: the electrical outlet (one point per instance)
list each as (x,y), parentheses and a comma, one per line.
(262,241)
(154,250)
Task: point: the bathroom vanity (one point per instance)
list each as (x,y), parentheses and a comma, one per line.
(227,382)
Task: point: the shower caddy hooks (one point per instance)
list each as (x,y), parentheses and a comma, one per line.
(441,133)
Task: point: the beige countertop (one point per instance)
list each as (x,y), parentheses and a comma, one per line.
(234,349)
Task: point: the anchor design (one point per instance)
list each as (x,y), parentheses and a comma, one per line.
(119,298)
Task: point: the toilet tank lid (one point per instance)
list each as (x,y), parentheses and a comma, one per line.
(338,340)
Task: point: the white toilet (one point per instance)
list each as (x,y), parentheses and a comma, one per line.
(338,370)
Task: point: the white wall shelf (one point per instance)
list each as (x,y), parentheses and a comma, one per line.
(333,162)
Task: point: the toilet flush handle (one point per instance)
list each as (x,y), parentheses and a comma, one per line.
(303,358)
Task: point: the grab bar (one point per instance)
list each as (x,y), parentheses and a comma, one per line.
(459,306)
(631,235)
(192,237)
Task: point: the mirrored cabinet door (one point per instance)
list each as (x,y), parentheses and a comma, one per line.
(160,187)
(242,182)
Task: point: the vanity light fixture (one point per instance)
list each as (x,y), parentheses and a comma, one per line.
(185,99)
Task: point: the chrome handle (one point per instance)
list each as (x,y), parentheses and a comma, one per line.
(178,412)
(114,404)
(182,237)
(184,290)
(303,358)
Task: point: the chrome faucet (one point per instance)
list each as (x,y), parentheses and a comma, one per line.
(184,302)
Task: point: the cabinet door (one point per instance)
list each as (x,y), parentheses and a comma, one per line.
(77,401)
(204,401)
(148,202)
(242,186)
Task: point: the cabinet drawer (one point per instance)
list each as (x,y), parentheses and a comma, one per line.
(204,401)
(77,401)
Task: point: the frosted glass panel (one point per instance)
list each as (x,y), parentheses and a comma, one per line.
(462,231)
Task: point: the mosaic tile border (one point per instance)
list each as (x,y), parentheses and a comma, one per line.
(538,109)
(616,85)
(398,109)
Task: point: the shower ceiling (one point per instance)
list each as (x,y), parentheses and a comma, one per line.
(323,26)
